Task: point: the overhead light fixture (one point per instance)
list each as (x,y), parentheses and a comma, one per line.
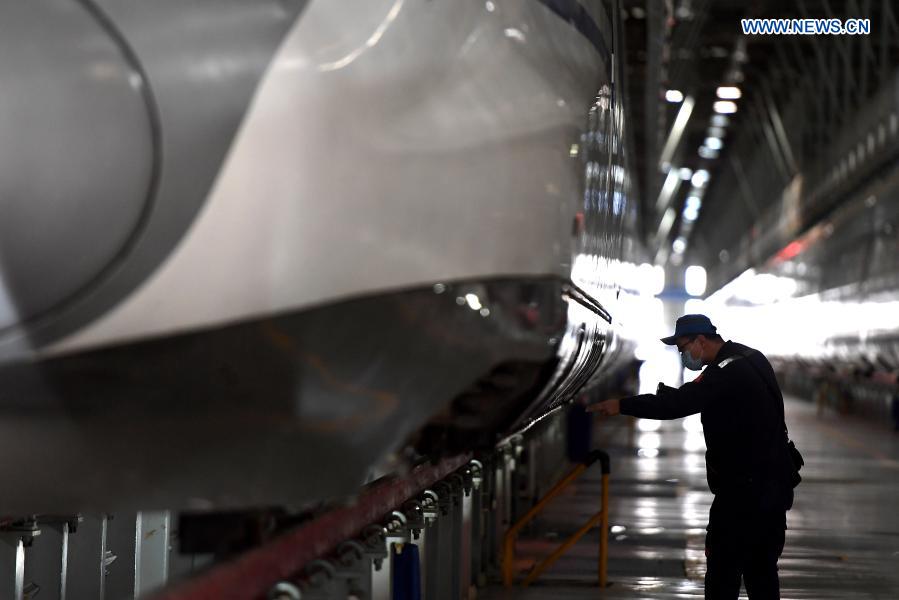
(685,174)
(729,92)
(674,96)
(677,130)
(719,121)
(725,107)
(693,202)
(717,132)
(695,280)
(665,225)
(679,245)
(700,178)
(713,143)
(691,214)
(706,152)
(672,182)
(650,279)
(473,301)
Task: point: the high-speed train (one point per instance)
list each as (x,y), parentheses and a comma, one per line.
(251,251)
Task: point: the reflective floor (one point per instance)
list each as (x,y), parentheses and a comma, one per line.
(843,536)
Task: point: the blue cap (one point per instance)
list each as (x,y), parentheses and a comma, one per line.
(690,325)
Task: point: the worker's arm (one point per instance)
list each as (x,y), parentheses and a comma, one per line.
(668,403)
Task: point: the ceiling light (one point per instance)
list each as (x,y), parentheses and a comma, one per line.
(725,107)
(717,132)
(685,174)
(700,178)
(729,92)
(695,280)
(691,214)
(650,279)
(707,152)
(713,143)
(674,96)
(719,121)
(679,245)
(693,202)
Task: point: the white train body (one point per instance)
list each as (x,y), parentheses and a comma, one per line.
(294,234)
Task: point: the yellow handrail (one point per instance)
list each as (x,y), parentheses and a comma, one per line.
(602,517)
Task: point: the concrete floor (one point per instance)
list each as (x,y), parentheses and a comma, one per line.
(843,531)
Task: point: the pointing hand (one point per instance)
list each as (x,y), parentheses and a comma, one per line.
(608,408)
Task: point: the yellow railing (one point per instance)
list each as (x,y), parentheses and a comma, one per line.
(601,518)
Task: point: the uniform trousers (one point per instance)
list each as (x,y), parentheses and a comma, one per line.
(743,545)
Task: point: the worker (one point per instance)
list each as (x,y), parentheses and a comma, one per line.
(748,463)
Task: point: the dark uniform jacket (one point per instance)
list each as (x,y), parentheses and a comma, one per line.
(743,423)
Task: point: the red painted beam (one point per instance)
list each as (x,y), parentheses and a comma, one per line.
(251,575)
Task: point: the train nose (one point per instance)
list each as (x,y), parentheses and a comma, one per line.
(77,158)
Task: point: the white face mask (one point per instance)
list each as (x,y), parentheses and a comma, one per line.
(694,364)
